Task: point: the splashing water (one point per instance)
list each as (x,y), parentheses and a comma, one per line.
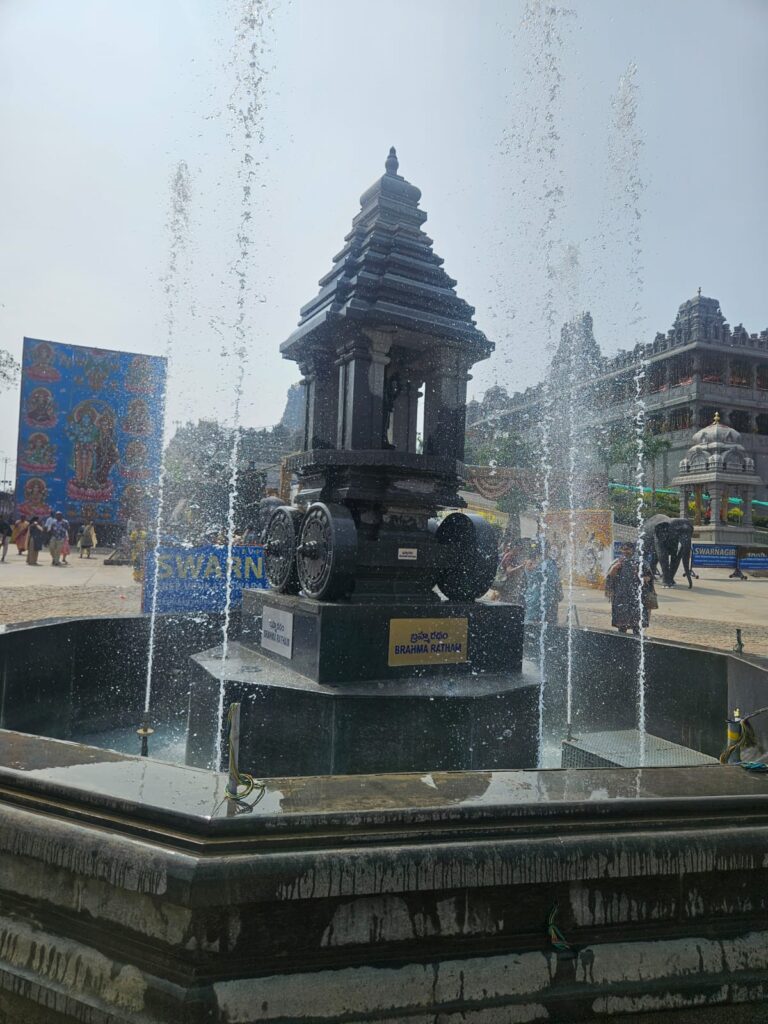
(640,481)
(624,154)
(245,133)
(541,150)
(571,547)
(569,374)
(173,281)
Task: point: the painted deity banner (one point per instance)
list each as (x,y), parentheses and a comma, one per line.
(592,544)
(90,432)
(195,579)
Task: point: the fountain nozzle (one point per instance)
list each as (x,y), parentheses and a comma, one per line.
(145,731)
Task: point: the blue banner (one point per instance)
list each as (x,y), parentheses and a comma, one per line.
(194,579)
(755,559)
(90,432)
(713,556)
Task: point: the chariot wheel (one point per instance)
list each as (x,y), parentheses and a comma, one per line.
(469,556)
(325,557)
(280,543)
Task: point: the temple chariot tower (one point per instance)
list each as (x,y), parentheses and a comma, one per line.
(385,350)
(371,652)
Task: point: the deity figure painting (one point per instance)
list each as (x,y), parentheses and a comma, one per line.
(134,465)
(140,376)
(38,454)
(40,409)
(89,512)
(132,503)
(42,366)
(137,419)
(97,366)
(91,429)
(35,498)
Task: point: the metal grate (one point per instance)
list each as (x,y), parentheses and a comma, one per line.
(621,749)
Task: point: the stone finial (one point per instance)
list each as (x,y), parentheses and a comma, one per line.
(699,291)
(717,418)
(391,164)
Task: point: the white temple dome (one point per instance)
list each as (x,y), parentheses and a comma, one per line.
(716,433)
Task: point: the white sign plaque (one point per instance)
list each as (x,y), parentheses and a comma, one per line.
(277,631)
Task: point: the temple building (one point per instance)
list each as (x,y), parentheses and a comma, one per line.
(700,367)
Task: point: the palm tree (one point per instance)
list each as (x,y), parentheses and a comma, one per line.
(653,447)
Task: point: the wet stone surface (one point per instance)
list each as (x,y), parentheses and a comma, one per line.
(182,792)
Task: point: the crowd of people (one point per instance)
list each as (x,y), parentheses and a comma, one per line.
(33,535)
(528,575)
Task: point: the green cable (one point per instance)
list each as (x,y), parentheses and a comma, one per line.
(243,781)
(555,936)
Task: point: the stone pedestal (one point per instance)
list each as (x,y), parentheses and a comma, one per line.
(339,643)
(722,533)
(337,688)
(292,725)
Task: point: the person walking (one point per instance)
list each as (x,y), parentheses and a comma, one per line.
(20,535)
(59,532)
(5,535)
(65,550)
(509,584)
(87,539)
(35,541)
(543,590)
(631,602)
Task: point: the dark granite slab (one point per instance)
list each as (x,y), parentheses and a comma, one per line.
(342,643)
(191,800)
(292,725)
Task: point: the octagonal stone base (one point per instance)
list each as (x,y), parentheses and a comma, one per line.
(295,726)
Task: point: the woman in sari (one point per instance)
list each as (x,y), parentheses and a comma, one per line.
(631,595)
(20,534)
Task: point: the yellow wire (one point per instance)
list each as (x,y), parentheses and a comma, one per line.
(242,779)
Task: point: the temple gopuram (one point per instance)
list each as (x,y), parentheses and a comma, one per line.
(699,367)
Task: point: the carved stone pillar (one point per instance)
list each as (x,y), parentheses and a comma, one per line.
(683,503)
(404,416)
(696,360)
(714,504)
(746,519)
(697,489)
(362,365)
(322,398)
(445,400)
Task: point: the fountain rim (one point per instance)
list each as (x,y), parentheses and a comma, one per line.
(721,792)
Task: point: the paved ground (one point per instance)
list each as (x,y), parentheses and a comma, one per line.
(707,615)
(85,587)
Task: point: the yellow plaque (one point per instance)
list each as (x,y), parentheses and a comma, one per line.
(427,641)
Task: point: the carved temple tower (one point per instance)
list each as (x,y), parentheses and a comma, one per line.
(385,350)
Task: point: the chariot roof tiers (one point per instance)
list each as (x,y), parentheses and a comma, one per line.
(387,323)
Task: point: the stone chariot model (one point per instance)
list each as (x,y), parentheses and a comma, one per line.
(385,346)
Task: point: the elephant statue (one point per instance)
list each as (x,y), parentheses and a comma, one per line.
(667,543)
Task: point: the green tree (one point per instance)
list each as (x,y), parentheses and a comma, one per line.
(653,447)
(508,451)
(198,472)
(9,370)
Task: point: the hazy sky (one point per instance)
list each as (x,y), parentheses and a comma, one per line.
(99,100)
